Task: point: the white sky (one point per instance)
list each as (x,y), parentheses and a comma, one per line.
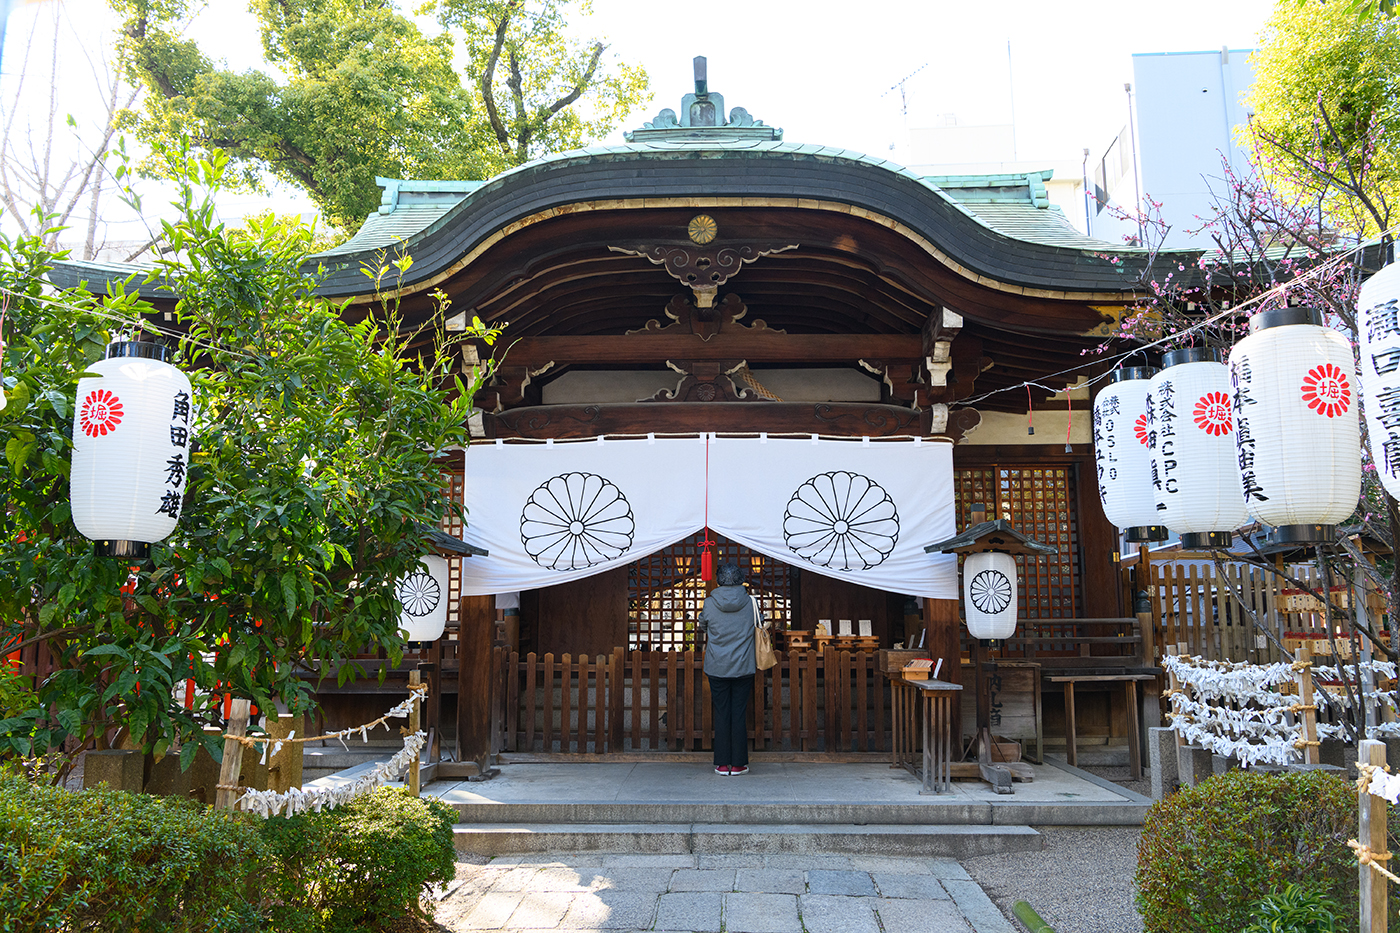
(823,71)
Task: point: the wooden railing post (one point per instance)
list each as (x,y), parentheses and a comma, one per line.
(232,765)
(1370,832)
(414,680)
(1312,752)
(1174,685)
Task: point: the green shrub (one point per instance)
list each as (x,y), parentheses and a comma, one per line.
(1209,853)
(115,862)
(108,860)
(1295,909)
(360,867)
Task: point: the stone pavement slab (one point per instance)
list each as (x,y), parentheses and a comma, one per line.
(920,887)
(770,881)
(853,883)
(540,910)
(703,879)
(611,909)
(696,911)
(761,913)
(924,916)
(823,913)
(978,908)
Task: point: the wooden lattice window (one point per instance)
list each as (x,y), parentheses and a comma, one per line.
(453,487)
(665,592)
(1038,501)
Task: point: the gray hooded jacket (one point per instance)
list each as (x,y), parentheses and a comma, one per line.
(727,619)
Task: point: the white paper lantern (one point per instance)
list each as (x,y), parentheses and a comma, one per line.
(1378,333)
(1195,481)
(132,431)
(989,594)
(1297,429)
(1121,433)
(423,594)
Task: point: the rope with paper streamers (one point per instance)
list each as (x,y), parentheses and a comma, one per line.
(269,803)
(252,742)
(1259,732)
(1379,782)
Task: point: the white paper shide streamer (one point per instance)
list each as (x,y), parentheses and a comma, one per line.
(1122,425)
(132,428)
(1297,430)
(1378,336)
(1191,442)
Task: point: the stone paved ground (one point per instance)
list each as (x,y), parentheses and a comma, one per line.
(713,893)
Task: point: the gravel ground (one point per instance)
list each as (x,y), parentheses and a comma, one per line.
(1081,882)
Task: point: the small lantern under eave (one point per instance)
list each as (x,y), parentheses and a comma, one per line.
(1378,337)
(1122,432)
(132,431)
(423,594)
(1195,482)
(1297,428)
(989,575)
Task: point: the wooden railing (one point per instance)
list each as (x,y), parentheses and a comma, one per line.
(1194,606)
(830,701)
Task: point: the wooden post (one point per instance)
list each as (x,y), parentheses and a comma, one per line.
(474,668)
(233,756)
(1370,832)
(1174,685)
(1312,752)
(284,771)
(414,679)
(943,638)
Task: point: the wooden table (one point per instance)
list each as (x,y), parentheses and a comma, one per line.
(1129,682)
(923,709)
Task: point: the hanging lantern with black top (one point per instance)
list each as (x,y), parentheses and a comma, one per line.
(1297,428)
(133,429)
(1195,483)
(1122,429)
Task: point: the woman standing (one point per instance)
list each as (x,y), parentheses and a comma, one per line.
(728,619)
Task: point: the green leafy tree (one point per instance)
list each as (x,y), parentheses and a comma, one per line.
(1326,101)
(310,488)
(367,93)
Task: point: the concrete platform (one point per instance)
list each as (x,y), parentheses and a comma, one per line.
(780,793)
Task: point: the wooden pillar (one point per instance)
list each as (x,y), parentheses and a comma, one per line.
(943,628)
(478,615)
(1370,832)
(432,710)
(1312,754)
(415,678)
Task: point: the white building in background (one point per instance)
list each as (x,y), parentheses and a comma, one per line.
(1186,108)
(950,148)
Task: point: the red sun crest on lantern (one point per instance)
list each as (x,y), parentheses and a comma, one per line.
(100,413)
(1327,390)
(1140,429)
(1212,413)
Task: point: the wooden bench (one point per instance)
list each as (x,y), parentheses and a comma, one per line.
(1112,651)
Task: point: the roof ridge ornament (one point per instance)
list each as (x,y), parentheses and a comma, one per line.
(702,119)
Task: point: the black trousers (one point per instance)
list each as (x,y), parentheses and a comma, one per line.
(730,698)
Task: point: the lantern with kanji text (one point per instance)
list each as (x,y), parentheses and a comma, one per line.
(1192,449)
(133,425)
(1297,429)
(1122,435)
(1378,337)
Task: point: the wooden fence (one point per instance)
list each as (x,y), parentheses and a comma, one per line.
(829,701)
(1194,606)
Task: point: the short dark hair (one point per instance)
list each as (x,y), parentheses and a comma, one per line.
(730,575)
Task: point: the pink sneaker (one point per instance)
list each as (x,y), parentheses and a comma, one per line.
(738,769)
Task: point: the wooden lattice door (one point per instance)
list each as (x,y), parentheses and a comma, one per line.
(665,592)
(1038,501)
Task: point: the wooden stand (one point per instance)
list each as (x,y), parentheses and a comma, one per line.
(923,709)
(995,774)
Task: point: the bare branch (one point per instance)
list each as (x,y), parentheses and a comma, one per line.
(488,77)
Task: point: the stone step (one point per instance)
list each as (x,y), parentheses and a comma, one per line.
(1008,811)
(715,838)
